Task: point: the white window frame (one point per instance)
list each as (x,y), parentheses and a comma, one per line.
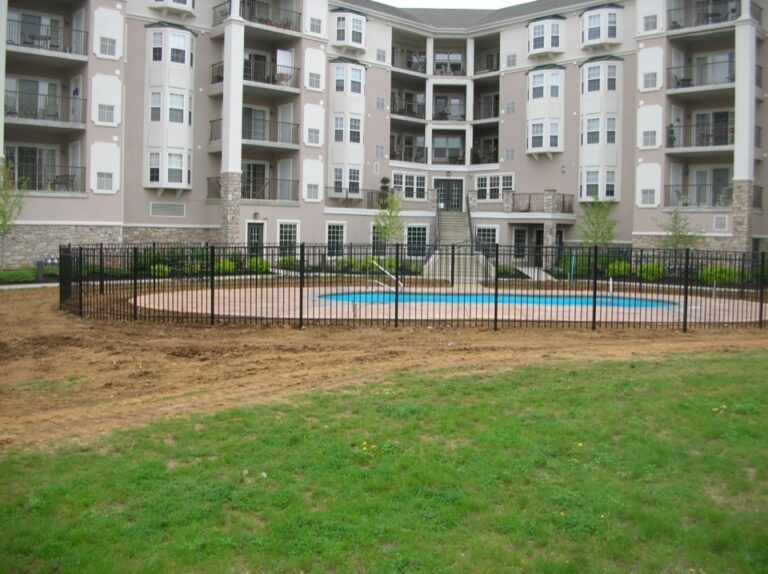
(314,78)
(328,225)
(278,228)
(650,22)
(170,166)
(171,107)
(355,122)
(641,198)
(650,139)
(173,46)
(101,178)
(485,227)
(356,85)
(156,106)
(408,228)
(592,131)
(113,44)
(313,132)
(650,81)
(109,111)
(537,85)
(537,131)
(156,165)
(315,25)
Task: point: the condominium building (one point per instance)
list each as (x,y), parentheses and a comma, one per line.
(276,121)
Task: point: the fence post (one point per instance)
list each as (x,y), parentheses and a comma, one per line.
(594,288)
(80,277)
(101,269)
(135,278)
(761,291)
(686,287)
(397,285)
(212,276)
(301,286)
(496,291)
(453,263)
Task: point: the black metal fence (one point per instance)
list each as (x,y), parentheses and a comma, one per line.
(485,285)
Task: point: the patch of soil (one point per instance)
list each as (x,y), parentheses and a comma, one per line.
(63,378)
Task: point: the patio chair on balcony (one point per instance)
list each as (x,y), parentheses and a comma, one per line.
(62,182)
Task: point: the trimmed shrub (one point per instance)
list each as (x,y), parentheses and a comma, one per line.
(22,275)
(160,270)
(51,270)
(582,265)
(287,262)
(651,272)
(258,265)
(192,269)
(719,275)
(224,267)
(618,269)
(117,272)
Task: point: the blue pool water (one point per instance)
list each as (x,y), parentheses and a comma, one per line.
(383,297)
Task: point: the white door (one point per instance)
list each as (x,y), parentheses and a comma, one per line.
(285,131)
(76,111)
(78,34)
(284,182)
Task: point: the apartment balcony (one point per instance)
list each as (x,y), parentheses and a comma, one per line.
(701,139)
(487,63)
(703,14)
(450,68)
(487,110)
(39,44)
(354,197)
(409,60)
(408,154)
(37,177)
(43,111)
(453,112)
(260,134)
(260,189)
(484,155)
(408,108)
(698,197)
(757,198)
(183,8)
(261,78)
(703,81)
(498,201)
(267,16)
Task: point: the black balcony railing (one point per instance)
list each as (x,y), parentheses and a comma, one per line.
(486,110)
(338,196)
(481,155)
(698,196)
(262,73)
(221,12)
(410,60)
(450,113)
(214,188)
(32,106)
(271,131)
(407,107)
(215,130)
(270,189)
(487,63)
(702,14)
(268,15)
(450,68)
(537,203)
(54,38)
(757,197)
(698,75)
(413,154)
(705,134)
(53,178)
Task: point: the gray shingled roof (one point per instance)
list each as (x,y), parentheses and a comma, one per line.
(466,18)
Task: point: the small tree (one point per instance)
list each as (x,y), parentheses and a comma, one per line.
(596,226)
(679,234)
(11,202)
(388,223)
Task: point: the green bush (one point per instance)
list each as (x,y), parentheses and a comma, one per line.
(146,258)
(192,268)
(719,275)
(51,270)
(258,265)
(504,270)
(174,256)
(160,270)
(582,265)
(618,269)
(117,272)
(287,262)
(224,267)
(22,275)
(651,272)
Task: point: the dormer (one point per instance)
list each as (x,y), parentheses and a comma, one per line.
(545,37)
(348,30)
(601,26)
(183,8)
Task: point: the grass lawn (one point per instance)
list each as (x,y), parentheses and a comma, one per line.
(554,468)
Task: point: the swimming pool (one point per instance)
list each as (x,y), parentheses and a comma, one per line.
(388,297)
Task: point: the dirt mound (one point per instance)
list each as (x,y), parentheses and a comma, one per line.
(63,378)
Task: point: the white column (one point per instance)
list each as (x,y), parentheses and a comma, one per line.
(3,39)
(429,100)
(232,112)
(744,128)
(430,56)
(470,56)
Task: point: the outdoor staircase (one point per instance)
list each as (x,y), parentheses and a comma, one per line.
(453,227)
(467,267)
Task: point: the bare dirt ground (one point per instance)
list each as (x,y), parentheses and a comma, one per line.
(65,379)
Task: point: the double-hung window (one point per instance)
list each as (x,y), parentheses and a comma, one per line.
(178,48)
(610,183)
(357,31)
(154,167)
(338,180)
(157,46)
(104,180)
(593,27)
(610,132)
(593,130)
(106,114)
(356,80)
(107,46)
(176,108)
(538,36)
(593,78)
(339,78)
(175,168)
(155,106)
(537,86)
(612,27)
(354,130)
(354,181)
(554,39)
(554,134)
(612,77)
(338,131)
(593,183)
(554,85)
(341,29)
(537,135)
